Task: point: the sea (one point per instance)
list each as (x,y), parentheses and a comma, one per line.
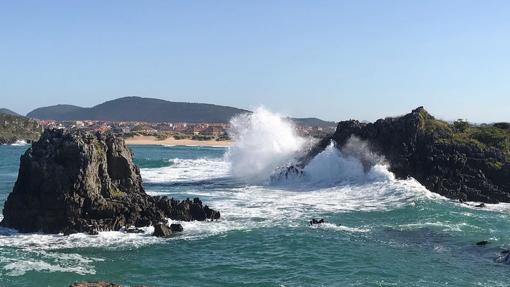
(378,230)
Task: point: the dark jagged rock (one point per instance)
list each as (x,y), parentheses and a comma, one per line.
(78,182)
(185,210)
(162,230)
(316,221)
(83,182)
(482,243)
(175,227)
(293,171)
(464,162)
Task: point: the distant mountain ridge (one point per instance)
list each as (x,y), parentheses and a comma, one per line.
(8,112)
(53,112)
(140,109)
(153,110)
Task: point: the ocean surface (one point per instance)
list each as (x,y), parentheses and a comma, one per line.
(379,231)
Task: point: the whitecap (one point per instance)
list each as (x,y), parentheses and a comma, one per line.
(19,143)
(20,267)
(187,170)
(342,228)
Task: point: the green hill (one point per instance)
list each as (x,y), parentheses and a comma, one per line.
(153,110)
(9,112)
(140,109)
(53,112)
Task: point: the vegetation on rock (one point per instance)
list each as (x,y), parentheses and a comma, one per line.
(462,132)
(13,128)
(458,160)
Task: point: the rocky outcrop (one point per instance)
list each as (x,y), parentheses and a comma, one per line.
(185,210)
(83,182)
(163,230)
(459,161)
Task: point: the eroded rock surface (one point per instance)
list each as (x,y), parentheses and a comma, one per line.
(83,182)
(464,162)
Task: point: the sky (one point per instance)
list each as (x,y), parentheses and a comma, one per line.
(335,60)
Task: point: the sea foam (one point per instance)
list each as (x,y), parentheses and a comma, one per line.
(334,182)
(262,141)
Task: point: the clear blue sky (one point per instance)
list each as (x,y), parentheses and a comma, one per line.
(330,59)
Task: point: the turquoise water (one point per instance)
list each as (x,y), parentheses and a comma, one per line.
(380,232)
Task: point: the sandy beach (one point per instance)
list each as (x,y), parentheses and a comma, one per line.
(150,140)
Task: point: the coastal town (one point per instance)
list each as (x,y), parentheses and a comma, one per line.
(161,131)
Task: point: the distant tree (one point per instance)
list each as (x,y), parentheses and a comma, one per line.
(460,125)
(504,126)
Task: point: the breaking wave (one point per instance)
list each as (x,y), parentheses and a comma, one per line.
(262,141)
(19,143)
(335,181)
(334,167)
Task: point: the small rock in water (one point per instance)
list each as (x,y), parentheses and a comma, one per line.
(211,213)
(482,243)
(481,205)
(316,221)
(186,210)
(175,227)
(162,230)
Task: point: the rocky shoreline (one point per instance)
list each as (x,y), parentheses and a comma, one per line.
(71,182)
(460,161)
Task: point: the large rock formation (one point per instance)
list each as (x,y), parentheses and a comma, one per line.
(83,182)
(459,161)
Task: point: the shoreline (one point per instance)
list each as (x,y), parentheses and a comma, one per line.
(151,140)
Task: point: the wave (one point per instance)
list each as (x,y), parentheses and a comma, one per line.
(444,226)
(195,146)
(340,227)
(243,207)
(19,143)
(186,170)
(152,163)
(262,141)
(333,167)
(333,182)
